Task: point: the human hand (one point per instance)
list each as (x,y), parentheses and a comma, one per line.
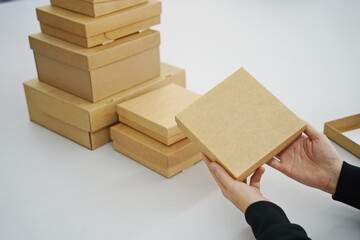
(311,160)
(240,194)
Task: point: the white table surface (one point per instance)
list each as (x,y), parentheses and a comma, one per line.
(306,52)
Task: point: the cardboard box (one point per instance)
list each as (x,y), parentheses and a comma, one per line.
(83,122)
(154,113)
(96,8)
(240,124)
(164,160)
(97,73)
(335,129)
(88,32)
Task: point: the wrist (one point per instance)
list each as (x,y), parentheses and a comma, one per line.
(334,178)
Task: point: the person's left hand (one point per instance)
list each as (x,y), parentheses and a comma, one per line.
(242,195)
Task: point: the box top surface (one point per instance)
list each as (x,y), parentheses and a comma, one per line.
(86,26)
(240,124)
(156,110)
(91,58)
(148,141)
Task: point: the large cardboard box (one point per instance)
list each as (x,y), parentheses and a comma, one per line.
(83,122)
(165,160)
(89,32)
(335,131)
(154,113)
(240,124)
(96,8)
(97,73)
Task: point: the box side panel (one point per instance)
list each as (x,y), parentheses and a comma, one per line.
(70,79)
(99,138)
(139,150)
(105,114)
(341,139)
(73,133)
(52,101)
(346,124)
(187,163)
(127,73)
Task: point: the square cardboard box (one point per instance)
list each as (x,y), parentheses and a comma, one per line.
(96,8)
(240,124)
(154,113)
(165,160)
(83,122)
(89,32)
(335,129)
(97,73)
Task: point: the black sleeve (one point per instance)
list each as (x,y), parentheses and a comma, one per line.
(269,221)
(348,187)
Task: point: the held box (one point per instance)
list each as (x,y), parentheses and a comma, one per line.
(335,131)
(164,160)
(96,8)
(154,113)
(97,73)
(83,122)
(240,124)
(89,32)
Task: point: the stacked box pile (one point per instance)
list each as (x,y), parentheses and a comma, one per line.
(90,56)
(149,134)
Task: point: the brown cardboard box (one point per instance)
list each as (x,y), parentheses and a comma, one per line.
(88,32)
(335,129)
(165,160)
(99,72)
(240,124)
(83,122)
(154,113)
(96,8)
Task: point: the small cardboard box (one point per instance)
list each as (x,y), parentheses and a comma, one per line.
(335,131)
(154,113)
(164,160)
(96,8)
(97,73)
(83,122)
(240,124)
(89,32)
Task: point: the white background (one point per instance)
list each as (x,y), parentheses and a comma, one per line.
(306,52)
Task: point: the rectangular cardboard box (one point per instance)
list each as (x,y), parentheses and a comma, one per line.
(97,73)
(83,122)
(96,8)
(335,129)
(154,112)
(89,32)
(240,124)
(165,160)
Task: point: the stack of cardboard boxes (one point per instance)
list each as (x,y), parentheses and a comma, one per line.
(90,56)
(149,134)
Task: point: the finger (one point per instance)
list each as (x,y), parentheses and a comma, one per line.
(207,162)
(274,163)
(206,159)
(312,133)
(224,178)
(256,177)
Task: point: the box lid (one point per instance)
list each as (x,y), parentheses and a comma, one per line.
(94,116)
(156,110)
(240,124)
(86,26)
(96,57)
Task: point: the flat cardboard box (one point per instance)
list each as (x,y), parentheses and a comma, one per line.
(335,131)
(88,32)
(92,117)
(94,8)
(240,124)
(154,113)
(99,72)
(164,160)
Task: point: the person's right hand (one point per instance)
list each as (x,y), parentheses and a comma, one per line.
(311,160)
